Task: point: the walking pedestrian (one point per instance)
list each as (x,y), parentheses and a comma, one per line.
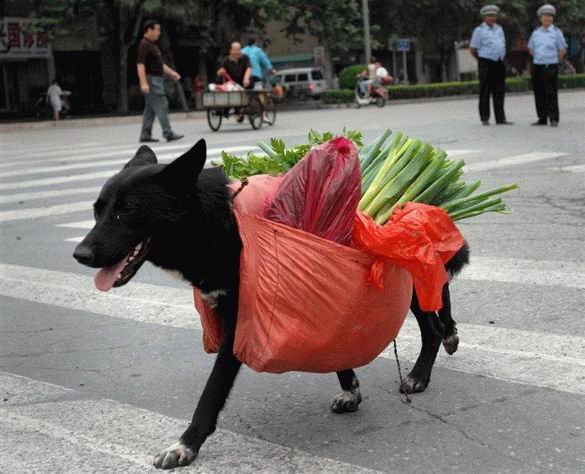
(548,47)
(488,46)
(151,71)
(54,94)
(259,62)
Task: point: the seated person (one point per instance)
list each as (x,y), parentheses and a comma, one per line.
(364,83)
(236,67)
(383,77)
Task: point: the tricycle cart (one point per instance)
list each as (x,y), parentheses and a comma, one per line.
(258,106)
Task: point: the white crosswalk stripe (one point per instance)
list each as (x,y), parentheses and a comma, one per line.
(76,157)
(55,181)
(37,212)
(87,434)
(35,195)
(487,351)
(512,161)
(570,169)
(78,225)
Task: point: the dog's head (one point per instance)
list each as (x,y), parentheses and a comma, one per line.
(135,204)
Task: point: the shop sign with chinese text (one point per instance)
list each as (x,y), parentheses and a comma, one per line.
(18,39)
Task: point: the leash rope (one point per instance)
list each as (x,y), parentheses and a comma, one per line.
(243,183)
(405,399)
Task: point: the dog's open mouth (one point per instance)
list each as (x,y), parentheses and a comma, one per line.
(121,273)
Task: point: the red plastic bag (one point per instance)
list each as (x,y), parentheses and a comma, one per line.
(418,237)
(304,303)
(320,194)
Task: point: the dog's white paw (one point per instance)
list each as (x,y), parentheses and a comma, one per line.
(348,401)
(451,343)
(177,454)
(414,384)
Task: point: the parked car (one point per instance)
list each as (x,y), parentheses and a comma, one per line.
(301,83)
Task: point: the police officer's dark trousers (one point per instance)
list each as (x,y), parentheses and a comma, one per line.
(545,82)
(492,80)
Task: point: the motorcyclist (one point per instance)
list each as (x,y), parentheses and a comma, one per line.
(367,77)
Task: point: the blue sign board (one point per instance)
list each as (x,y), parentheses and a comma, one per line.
(403,44)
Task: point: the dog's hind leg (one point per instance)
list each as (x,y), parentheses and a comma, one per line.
(431,331)
(450,337)
(351,397)
(212,400)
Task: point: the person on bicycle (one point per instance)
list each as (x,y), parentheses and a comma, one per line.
(258,61)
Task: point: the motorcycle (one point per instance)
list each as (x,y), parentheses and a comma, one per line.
(378,96)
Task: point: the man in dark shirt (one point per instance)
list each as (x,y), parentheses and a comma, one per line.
(151,70)
(236,66)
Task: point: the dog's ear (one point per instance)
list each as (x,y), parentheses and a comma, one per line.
(144,156)
(184,171)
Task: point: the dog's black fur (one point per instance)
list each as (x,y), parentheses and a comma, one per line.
(181,214)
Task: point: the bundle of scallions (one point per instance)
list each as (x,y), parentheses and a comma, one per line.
(397,169)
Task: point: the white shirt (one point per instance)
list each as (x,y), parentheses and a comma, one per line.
(54,91)
(545,44)
(381,72)
(490,42)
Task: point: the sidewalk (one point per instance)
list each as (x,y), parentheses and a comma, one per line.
(201,114)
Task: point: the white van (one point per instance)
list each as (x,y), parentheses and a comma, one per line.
(301,82)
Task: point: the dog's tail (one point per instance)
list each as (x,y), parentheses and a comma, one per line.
(458,261)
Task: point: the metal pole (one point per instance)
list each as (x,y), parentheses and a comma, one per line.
(457,68)
(366,20)
(405,66)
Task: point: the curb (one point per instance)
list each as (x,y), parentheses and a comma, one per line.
(89,121)
(200,115)
(345,105)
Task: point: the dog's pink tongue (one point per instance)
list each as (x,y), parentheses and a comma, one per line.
(107,276)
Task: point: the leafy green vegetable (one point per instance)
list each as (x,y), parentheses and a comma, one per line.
(278,159)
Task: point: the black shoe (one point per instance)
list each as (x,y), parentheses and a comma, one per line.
(554,123)
(148,140)
(539,122)
(505,122)
(485,122)
(174,137)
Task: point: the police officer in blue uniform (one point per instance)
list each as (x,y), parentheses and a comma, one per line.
(488,46)
(548,47)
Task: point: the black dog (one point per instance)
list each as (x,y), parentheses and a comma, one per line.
(179,217)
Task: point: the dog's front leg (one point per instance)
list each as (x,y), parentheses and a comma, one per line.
(212,400)
(350,399)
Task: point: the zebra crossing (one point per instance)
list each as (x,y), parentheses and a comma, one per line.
(58,185)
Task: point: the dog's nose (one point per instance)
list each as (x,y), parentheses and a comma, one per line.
(83,254)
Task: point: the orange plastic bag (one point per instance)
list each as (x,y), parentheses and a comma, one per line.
(305,304)
(418,237)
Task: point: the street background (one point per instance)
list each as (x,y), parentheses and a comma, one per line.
(90,46)
(95,382)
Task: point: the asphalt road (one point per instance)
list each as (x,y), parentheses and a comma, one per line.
(96,382)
